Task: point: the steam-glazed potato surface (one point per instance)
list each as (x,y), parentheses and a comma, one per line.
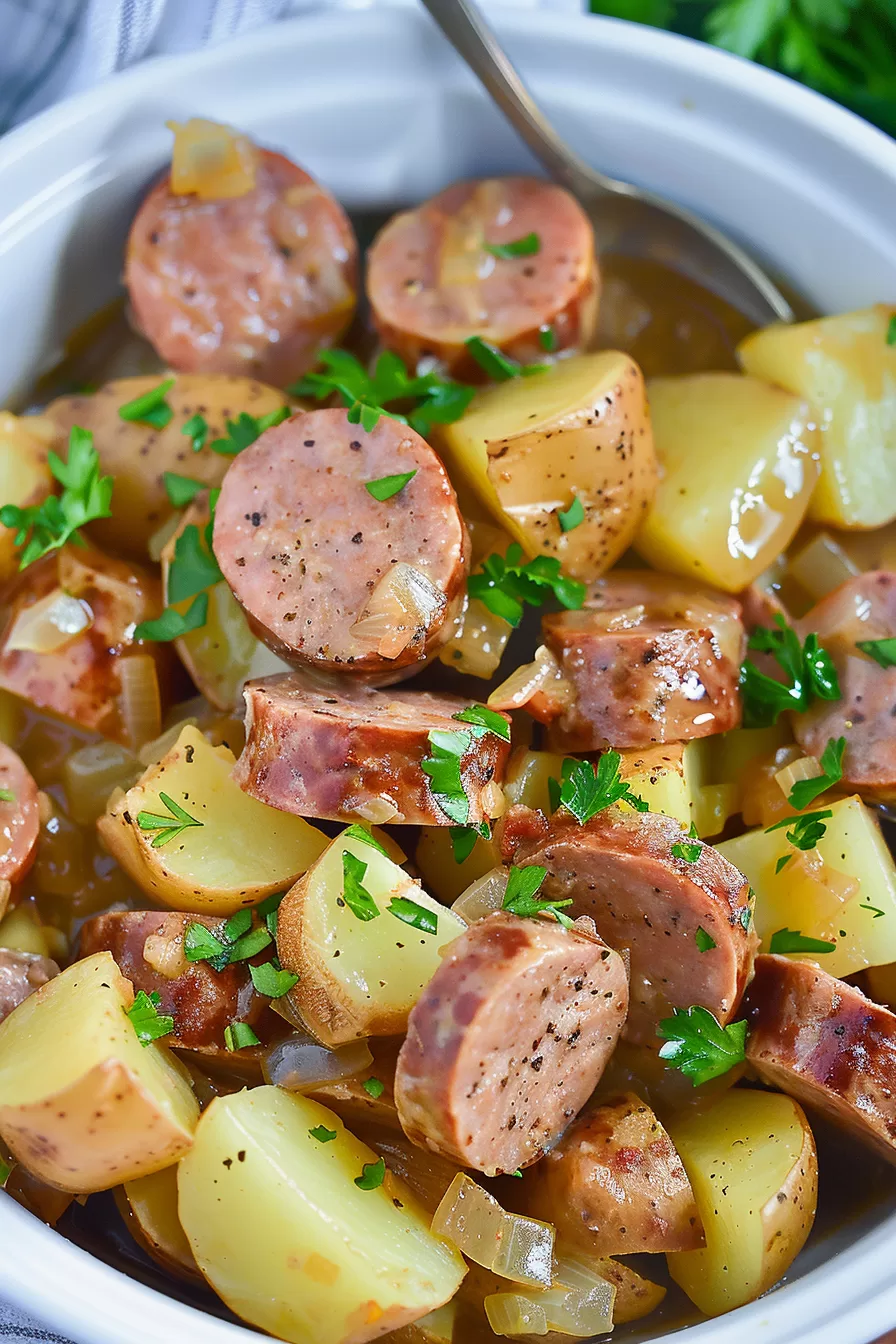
(405,760)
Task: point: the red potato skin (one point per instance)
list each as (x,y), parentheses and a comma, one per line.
(322,753)
(823,1042)
(615,1185)
(421,312)
(509,1040)
(202,1001)
(21,973)
(620,870)
(303,544)
(669,675)
(862,608)
(254,284)
(19,819)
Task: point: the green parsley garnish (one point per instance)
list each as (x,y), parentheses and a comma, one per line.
(584,790)
(246,429)
(547,338)
(143,1015)
(181,490)
(268,911)
(373,1087)
(805,791)
(443,767)
(354,893)
(505,585)
(891,330)
(573,516)
(484,720)
(689,850)
(322,1134)
(520,898)
(527,246)
(810,675)
(166,828)
(196,430)
(7,796)
(387,486)
(86,496)
(411,913)
(5,1172)
(194,568)
(883,651)
(372,1175)
(174,624)
(499,367)
(239,1035)
(200,944)
(151,408)
(805,833)
(358,832)
(463,839)
(235,940)
(873,908)
(699,1046)
(791,940)
(250,944)
(272,981)
(705,941)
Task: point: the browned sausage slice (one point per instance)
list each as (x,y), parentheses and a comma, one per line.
(19,817)
(433,282)
(21,973)
(329,576)
(357,756)
(148,946)
(821,1041)
(862,609)
(509,1040)
(253,284)
(650,659)
(614,1184)
(619,869)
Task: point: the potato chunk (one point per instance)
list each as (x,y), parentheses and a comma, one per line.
(25,478)
(846,368)
(232,853)
(738,464)
(751,1160)
(287,1238)
(359,975)
(149,1208)
(532,446)
(84,1104)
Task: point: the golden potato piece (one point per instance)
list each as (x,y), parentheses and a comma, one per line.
(149,1208)
(531,447)
(846,368)
(752,1164)
(232,850)
(25,478)
(359,975)
(738,466)
(84,1104)
(138,455)
(443,875)
(284,1234)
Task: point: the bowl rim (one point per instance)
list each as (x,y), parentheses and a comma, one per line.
(69,1288)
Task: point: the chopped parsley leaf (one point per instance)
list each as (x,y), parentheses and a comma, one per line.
(547,338)
(791,940)
(86,496)
(573,516)
(585,790)
(527,246)
(150,408)
(373,1087)
(166,828)
(891,330)
(358,832)
(148,1023)
(194,567)
(7,796)
(505,585)
(699,1046)
(443,768)
(372,1175)
(463,839)
(387,486)
(196,430)
(272,981)
(520,896)
(705,941)
(354,893)
(805,791)
(810,675)
(322,1134)
(411,913)
(239,1035)
(246,429)
(173,624)
(883,651)
(485,720)
(181,490)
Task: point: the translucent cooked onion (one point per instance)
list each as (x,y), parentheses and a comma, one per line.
(828,887)
(91,774)
(483,896)
(821,566)
(579,1304)
(542,678)
(211,161)
(140,701)
(161,537)
(403,606)
(478,645)
(806,767)
(494,804)
(5,893)
(377,811)
(50,624)
(517,1248)
(152,752)
(301,1064)
(165,954)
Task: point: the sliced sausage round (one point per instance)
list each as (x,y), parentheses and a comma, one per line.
(19,817)
(441,273)
(861,610)
(509,1040)
(620,869)
(820,1040)
(329,576)
(358,755)
(650,659)
(148,947)
(615,1185)
(21,973)
(253,284)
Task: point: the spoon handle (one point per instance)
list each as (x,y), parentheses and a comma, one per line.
(473,40)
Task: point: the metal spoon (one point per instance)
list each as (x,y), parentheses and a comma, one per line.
(626,218)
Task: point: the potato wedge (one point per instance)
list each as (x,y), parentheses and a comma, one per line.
(738,459)
(83,1103)
(149,1208)
(25,477)
(808,895)
(443,875)
(287,1238)
(846,368)
(138,455)
(751,1160)
(22,931)
(359,976)
(528,776)
(436,1327)
(233,852)
(532,446)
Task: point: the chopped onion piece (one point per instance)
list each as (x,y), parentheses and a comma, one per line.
(515,1314)
(821,566)
(579,1304)
(378,811)
(141,703)
(165,955)
(91,773)
(515,1247)
(301,1064)
(402,608)
(542,678)
(807,767)
(494,804)
(152,752)
(477,646)
(817,886)
(211,161)
(5,893)
(483,896)
(162,535)
(50,624)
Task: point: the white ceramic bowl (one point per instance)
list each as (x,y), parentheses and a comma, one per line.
(375,104)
